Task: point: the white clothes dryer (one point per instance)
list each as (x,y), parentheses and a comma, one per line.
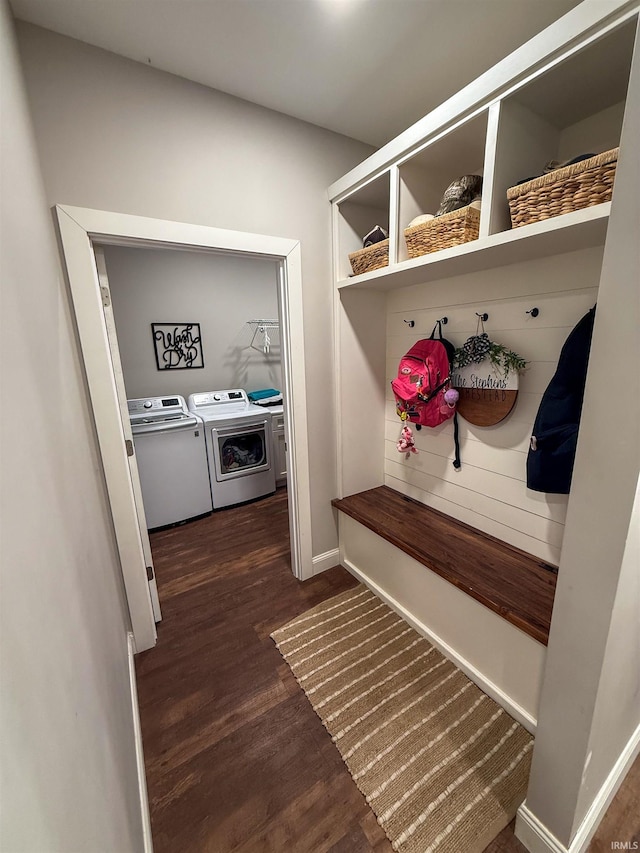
(239,446)
(172,460)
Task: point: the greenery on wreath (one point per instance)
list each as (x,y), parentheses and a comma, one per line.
(478,347)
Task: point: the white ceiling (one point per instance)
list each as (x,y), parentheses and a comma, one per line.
(364,68)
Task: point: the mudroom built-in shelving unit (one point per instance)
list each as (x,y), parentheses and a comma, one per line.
(574,105)
(564,93)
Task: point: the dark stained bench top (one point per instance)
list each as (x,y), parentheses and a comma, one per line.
(512,583)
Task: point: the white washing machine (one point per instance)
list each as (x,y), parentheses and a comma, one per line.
(239,446)
(172,460)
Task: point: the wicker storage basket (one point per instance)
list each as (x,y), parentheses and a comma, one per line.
(580,185)
(371,258)
(453,228)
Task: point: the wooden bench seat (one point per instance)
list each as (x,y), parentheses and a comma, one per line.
(515,585)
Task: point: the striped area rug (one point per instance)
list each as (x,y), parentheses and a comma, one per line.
(440,763)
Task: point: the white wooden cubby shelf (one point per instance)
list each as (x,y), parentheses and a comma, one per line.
(570,90)
(505,126)
(569,233)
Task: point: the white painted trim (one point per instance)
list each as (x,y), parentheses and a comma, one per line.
(488,180)
(394,214)
(491,689)
(325,561)
(295,412)
(337,349)
(606,794)
(114,353)
(80,229)
(137,730)
(538,839)
(534,835)
(108,227)
(85,292)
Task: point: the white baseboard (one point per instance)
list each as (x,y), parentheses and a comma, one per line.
(536,837)
(488,687)
(325,561)
(142,779)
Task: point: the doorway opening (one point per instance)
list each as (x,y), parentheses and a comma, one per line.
(84,234)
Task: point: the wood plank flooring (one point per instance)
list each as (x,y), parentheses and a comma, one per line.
(236,758)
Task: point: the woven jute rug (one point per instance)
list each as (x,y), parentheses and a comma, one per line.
(440,763)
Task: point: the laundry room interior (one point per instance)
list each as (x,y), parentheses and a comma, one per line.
(227,305)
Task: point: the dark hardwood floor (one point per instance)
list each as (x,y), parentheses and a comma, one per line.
(236,758)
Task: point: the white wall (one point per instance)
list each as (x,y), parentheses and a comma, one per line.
(68,768)
(490,491)
(118,135)
(617,712)
(219,292)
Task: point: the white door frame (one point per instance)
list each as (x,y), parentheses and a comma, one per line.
(80,229)
(114,352)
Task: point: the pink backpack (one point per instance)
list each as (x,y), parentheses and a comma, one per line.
(422,387)
(419,388)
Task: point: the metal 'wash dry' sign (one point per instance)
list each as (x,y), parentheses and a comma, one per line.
(178,346)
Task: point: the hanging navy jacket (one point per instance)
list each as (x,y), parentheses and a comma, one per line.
(555,430)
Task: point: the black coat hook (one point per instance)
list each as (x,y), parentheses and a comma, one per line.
(534,312)
(410,323)
(443,320)
(484,317)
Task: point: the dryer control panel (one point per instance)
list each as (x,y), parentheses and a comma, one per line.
(215,398)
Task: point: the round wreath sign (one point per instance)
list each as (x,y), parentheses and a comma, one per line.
(485,375)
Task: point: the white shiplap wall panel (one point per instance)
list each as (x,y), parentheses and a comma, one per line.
(490,492)
(511,434)
(486,483)
(476,453)
(544,529)
(556,309)
(539,343)
(481,521)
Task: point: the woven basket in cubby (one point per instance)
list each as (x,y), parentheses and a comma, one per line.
(450,229)
(571,188)
(371,258)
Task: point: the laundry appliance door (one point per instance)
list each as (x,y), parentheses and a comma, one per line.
(241,451)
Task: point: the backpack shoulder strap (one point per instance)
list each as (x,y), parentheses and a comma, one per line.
(438,327)
(436,334)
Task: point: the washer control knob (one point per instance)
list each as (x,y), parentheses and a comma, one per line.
(148,404)
(217,397)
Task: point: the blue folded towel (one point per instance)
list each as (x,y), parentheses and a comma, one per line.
(265,392)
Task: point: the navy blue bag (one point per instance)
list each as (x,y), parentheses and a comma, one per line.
(555,430)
